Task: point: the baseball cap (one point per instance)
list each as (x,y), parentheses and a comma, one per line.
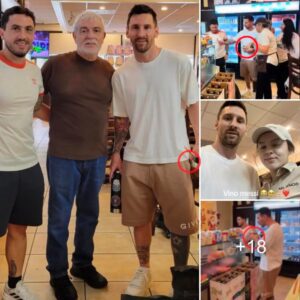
(279,130)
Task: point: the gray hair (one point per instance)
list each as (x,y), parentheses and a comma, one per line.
(86,15)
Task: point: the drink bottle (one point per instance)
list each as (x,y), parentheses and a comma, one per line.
(115,200)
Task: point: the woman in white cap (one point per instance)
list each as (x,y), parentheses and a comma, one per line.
(274,145)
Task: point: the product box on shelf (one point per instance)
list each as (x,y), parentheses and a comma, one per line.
(229,285)
(212,93)
(251,277)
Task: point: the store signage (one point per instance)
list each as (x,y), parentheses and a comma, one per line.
(276,204)
(262,7)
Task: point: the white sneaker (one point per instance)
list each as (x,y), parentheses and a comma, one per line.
(248,95)
(139,285)
(20,292)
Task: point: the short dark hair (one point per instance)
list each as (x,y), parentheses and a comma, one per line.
(142,9)
(239,104)
(16,10)
(213,22)
(249,17)
(265,211)
(262,21)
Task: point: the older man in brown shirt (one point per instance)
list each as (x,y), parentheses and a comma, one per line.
(79,85)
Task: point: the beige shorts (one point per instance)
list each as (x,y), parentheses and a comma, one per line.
(248,69)
(146,185)
(268,283)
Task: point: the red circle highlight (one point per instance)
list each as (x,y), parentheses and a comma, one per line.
(247,229)
(237,46)
(181,168)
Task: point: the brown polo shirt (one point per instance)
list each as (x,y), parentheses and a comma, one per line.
(81,94)
(286,184)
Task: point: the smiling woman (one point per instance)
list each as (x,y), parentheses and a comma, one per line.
(274,145)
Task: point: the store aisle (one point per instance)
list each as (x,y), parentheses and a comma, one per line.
(114,248)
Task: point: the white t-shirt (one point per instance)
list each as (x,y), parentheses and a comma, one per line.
(20,86)
(220,50)
(246,41)
(265,38)
(223,178)
(295,52)
(154,97)
(272,258)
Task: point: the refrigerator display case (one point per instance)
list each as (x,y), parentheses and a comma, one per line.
(277,21)
(287,214)
(230,25)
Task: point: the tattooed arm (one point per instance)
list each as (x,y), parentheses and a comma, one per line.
(121,131)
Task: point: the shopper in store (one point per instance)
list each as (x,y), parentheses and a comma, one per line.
(224,175)
(247,65)
(242,222)
(79,84)
(21,178)
(283,69)
(266,59)
(274,146)
(290,38)
(272,253)
(220,41)
(151,92)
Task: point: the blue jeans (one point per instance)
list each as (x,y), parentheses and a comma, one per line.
(69,180)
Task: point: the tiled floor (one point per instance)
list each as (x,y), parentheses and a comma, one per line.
(115,255)
(242,87)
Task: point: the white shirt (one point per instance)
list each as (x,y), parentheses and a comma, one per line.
(267,38)
(220,50)
(295,52)
(272,259)
(223,178)
(154,97)
(20,87)
(246,41)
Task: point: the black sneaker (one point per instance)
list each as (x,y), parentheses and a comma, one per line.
(63,288)
(90,275)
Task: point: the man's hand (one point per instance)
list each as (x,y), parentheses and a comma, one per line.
(115,164)
(43,112)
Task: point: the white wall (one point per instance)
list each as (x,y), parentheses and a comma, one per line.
(63,42)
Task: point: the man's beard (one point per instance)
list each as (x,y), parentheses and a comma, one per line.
(230,143)
(18,54)
(141,50)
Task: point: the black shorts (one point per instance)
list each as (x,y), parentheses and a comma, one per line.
(21,197)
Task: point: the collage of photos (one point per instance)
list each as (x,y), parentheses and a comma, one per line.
(250,199)
(150,150)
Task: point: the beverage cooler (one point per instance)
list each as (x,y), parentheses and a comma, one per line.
(277,21)
(287,214)
(229,24)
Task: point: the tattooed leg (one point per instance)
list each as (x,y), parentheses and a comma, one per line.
(180,248)
(142,236)
(15,249)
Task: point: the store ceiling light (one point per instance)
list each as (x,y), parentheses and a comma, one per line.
(102,7)
(164,8)
(180,30)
